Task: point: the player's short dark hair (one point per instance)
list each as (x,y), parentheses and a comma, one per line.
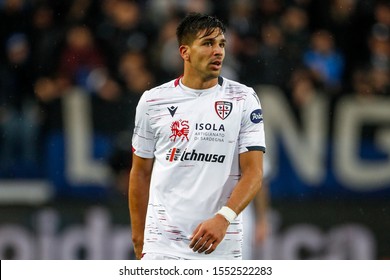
(193,23)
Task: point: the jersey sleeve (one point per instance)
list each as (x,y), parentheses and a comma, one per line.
(143,140)
(252,136)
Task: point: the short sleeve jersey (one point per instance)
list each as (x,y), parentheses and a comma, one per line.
(195,138)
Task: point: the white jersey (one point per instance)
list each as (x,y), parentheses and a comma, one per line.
(195,137)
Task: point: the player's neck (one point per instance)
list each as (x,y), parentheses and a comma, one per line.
(197,82)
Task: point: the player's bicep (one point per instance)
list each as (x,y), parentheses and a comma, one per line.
(141,166)
(251,163)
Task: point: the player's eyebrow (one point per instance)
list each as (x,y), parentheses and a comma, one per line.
(213,39)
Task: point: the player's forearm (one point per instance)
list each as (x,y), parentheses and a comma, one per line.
(251,165)
(138,203)
(245,190)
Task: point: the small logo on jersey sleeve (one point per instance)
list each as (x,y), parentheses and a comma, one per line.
(180,130)
(223,108)
(256,116)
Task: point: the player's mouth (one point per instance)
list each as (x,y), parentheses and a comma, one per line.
(217,64)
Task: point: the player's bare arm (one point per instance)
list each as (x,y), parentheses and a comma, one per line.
(139,184)
(207,236)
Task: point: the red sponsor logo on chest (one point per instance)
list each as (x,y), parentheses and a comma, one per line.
(180,130)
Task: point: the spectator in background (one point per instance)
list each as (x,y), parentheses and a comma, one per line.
(80,11)
(19,120)
(80,57)
(381,81)
(46,39)
(324,61)
(275,66)
(81,64)
(242,43)
(270,64)
(241,16)
(167,60)
(302,87)
(342,24)
(160,11)
(379,47)
(268,11)
(135,78)
(294,24)
(370,83)
(344,19)
(14,18)
(196,6)
(362,84)
(379,42)
(379,59)
(382,14)
(135,74)
(123,28)
(371,78)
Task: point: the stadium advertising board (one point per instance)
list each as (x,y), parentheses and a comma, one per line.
(75,230)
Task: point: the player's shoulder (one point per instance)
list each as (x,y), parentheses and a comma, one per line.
(237,90)
(159,91)
(233,85)
(162,88)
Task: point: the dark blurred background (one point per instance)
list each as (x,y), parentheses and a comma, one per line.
(72,72)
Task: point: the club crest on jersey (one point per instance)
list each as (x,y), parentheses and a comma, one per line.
(223,108)
(180,130)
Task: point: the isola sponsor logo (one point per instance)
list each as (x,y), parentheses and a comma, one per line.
(176,154)
(256,116)
(209,127)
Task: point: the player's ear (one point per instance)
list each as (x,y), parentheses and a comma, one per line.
(184,52)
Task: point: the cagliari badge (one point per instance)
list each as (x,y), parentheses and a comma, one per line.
(223,108)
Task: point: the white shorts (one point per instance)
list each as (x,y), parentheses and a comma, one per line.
(158,256)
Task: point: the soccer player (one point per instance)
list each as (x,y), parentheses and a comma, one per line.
(198,147)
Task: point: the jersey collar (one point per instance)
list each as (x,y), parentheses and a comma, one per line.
(176,83)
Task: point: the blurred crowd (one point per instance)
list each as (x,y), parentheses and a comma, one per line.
(116,49)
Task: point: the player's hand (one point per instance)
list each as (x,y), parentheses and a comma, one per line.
(208,234)
(138,247)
